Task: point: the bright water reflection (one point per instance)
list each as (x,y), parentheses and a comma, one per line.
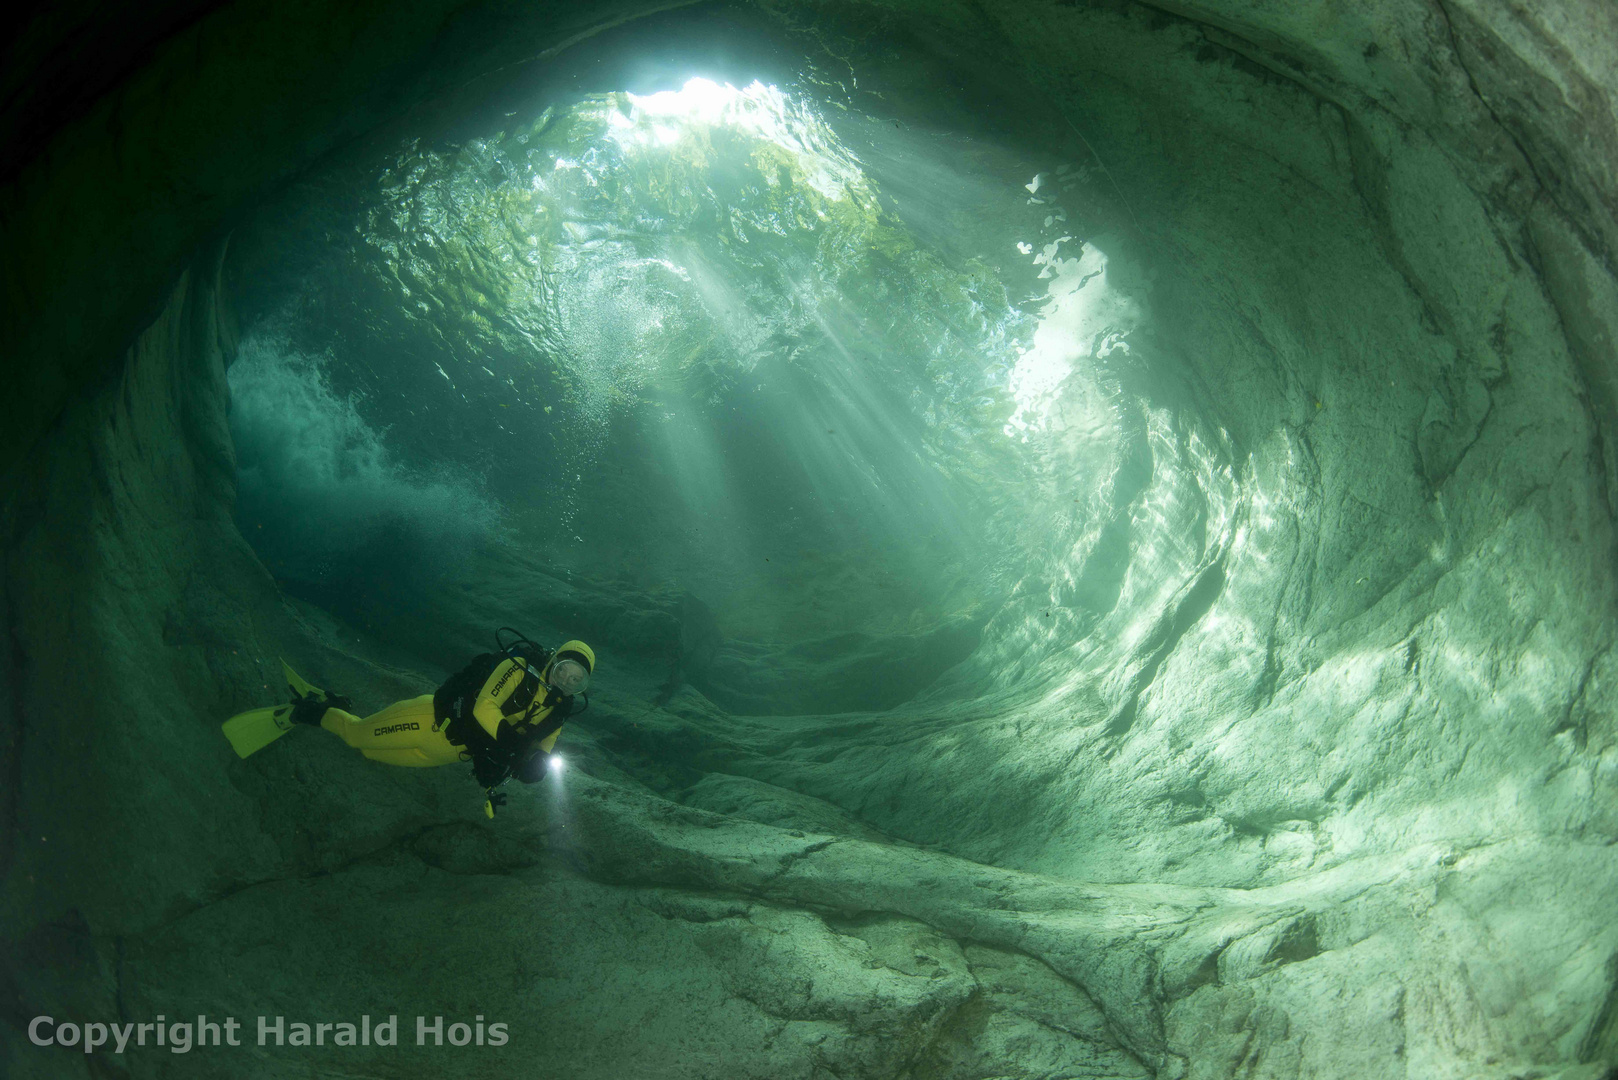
(701,302)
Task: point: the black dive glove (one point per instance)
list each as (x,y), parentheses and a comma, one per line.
(491,766)
(531,770)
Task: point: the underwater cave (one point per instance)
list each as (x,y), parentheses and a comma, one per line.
(1092,523)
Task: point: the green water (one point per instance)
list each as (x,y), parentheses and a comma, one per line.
(694,336)
(1095,525)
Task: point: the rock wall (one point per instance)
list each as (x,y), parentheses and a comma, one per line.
(137,617)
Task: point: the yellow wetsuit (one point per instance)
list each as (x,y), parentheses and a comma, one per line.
(408,733)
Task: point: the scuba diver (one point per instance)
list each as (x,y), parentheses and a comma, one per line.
(502,712)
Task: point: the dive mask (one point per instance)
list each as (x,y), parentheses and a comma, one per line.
(569,676)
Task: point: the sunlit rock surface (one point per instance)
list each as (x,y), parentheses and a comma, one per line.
(1097,522)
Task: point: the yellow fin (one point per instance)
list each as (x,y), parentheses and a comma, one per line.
(250,732)
(297,684)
